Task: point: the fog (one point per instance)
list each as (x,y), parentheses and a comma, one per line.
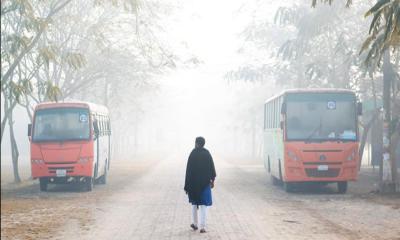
(298,102)
(170,71)
(187,101)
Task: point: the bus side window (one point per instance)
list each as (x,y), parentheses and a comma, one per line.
(99,121)
(265,116)
(279,111)
(268,115)
(96,130)
(105,126)
(102,126)
(273,114)
(108,126)
(99,124)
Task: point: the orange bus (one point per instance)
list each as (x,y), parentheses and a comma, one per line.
(311,135)
(70,143)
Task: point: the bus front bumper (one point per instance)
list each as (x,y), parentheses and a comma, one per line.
(322,172)
(62,170)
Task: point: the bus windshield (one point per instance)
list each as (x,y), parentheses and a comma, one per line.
(321,117)
(61,124)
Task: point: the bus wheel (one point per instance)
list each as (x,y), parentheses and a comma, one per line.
(288,186)
(103,179)
(342,187)
(43,184)
(275,181)
(89,184)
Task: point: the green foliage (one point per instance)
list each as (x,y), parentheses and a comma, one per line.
(128,5)
(28,42)
(23,6)
(312,47)
(48,54)
(53,93)
(384,31)
(20,89)
(314,2)
(17,42)
(288,50)
(75,60)
(288,15)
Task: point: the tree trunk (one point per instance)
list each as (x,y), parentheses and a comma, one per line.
(28,110)
(5,78)
(253,138)
(367,127)
(5,118)
(395,141)
(14,149)
(387,183)
(8,109)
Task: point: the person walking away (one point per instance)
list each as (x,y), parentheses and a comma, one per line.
(199,179)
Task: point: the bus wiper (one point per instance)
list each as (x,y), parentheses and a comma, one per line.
(318,128)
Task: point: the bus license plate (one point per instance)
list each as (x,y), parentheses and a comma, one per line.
(323,168)
(61,172)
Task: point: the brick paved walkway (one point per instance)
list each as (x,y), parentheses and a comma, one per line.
(246,206)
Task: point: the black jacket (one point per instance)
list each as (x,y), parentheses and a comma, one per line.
(200,171)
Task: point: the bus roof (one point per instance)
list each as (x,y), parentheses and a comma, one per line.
(91,106)
(311,90)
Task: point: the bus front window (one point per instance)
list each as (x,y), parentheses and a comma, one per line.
(61,124)
(321,116)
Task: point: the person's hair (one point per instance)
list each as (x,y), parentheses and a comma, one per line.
(200,141)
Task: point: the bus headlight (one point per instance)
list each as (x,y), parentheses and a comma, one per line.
(351,156)
(292,155)
(83,160)
(37,161)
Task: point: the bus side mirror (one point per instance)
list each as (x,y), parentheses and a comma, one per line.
(359,109)
(29,129)
(283,108)
(281,125)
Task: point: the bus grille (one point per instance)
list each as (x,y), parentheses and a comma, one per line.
(53,169)
(330,173)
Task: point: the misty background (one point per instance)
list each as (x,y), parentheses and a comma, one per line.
(170,71)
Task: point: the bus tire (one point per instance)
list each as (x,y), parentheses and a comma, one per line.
(342,187)
(288,187)
(275,181)
(265,165)
(89,184)
(43,182)
(103,179)
(280,171)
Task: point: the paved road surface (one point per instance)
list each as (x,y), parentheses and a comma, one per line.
(146,201)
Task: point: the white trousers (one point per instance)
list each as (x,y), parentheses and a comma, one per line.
(195,215)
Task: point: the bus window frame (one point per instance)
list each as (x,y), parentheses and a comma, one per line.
(357,139)
(32,139)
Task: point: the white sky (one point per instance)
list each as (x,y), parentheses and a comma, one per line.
(210,29)
(194,101)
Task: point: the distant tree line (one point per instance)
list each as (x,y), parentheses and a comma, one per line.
(331,45)
(101,51)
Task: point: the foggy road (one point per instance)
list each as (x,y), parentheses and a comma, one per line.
(116,92)
(145,201)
